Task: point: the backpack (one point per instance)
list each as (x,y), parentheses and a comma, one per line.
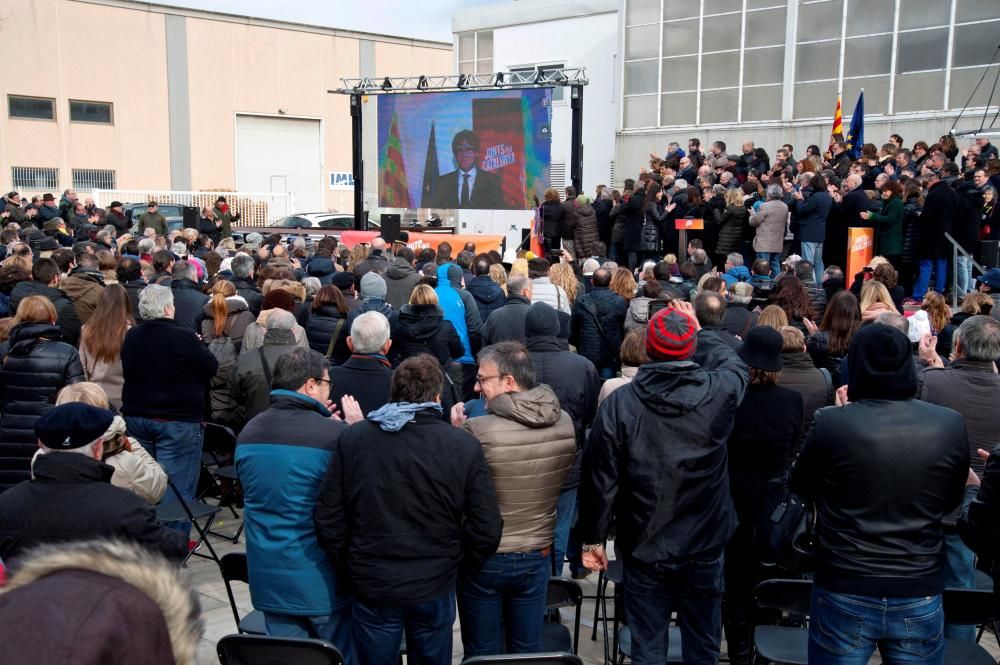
(225,351)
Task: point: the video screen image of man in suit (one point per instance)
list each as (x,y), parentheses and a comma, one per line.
(472,150)
(468,186)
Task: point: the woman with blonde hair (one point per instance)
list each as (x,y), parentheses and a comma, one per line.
(358,254)
(135,469)
(773,316)
(519,267)
(35,364)
(939,316)
(422,328)
(101,342)
(623,283)
(875,300)
(499,275)
(561,274)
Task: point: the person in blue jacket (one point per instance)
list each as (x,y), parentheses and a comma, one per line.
(282,456)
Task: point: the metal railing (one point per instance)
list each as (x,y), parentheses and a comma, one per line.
(957,249)
(255,208)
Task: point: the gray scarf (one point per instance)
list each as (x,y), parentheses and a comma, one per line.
(394,415)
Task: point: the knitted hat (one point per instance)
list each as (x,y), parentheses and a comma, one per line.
(372,285)
(880,365)
(343,280)
(541,320)
(671,335)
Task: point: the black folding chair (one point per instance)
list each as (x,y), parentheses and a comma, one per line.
(179,510)
(267,650)
(616,575)
(968,607)
(675,650)
(526,659)
(783,645)
(234,569)
(556,636)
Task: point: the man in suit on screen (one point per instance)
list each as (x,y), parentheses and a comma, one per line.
(468,186)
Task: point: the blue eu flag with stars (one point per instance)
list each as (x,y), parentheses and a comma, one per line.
(856,134)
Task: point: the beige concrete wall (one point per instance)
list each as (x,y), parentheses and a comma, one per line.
(235,66)
(68,50)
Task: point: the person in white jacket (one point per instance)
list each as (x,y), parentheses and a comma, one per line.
(542,288)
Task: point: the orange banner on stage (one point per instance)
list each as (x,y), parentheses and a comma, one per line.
(418,241)
(860,249)
(689,224)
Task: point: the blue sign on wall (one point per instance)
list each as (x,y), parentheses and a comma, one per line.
(341,179)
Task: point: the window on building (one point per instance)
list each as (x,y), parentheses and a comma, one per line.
(35,178)
(34,108)
(85,179)
(475,52)
(97,112)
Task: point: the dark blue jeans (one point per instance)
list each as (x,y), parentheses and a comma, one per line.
(565,518)
(334,628)
(177,447)
(511,587)
(845,629)
(378,632)
(692,588)
(940,268)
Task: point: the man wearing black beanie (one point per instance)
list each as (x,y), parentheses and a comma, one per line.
(882,471)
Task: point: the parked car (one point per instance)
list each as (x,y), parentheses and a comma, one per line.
(316,220)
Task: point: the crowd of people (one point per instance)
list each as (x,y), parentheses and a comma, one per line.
(430,434)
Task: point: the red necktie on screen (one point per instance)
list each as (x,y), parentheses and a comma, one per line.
(465,190)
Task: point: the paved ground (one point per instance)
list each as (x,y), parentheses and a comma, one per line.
(218,616)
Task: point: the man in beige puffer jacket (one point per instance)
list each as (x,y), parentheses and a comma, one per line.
(529,443)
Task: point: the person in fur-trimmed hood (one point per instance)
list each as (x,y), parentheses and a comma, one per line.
(98,602)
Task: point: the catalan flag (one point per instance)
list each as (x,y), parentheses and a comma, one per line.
(838,119)
(393,188)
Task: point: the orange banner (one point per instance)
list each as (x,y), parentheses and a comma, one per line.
(418,241)
(860,249)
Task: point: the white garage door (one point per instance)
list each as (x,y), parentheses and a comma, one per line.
(281,155)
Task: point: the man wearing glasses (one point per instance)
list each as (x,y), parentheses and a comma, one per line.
(468,186)
(529,443)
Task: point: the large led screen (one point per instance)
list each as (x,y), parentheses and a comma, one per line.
(486,150)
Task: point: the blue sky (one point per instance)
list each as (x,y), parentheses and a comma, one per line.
(423,19)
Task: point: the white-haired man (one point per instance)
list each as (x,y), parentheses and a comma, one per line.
(167,371)
(70,496)
(367,374)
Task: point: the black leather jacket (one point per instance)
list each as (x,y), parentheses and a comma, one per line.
(882,474)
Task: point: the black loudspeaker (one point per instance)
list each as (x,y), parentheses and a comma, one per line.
(191,215)
(390,228)
(988,253)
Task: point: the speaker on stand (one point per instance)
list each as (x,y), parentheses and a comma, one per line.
(390,227)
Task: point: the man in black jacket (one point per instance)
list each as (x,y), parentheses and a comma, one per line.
(596,325)
(574,380)
(129,274)
(167,372)
(189,301)
(366,375)
(880,494)
(936,219)
(45,278)
(506,324)
(71,497)
(242,268)
(656,460)
(407,501)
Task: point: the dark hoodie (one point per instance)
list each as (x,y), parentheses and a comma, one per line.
(322,269)
(487,293)
(656,457)
(423,329)
(572,377)
(400,280)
